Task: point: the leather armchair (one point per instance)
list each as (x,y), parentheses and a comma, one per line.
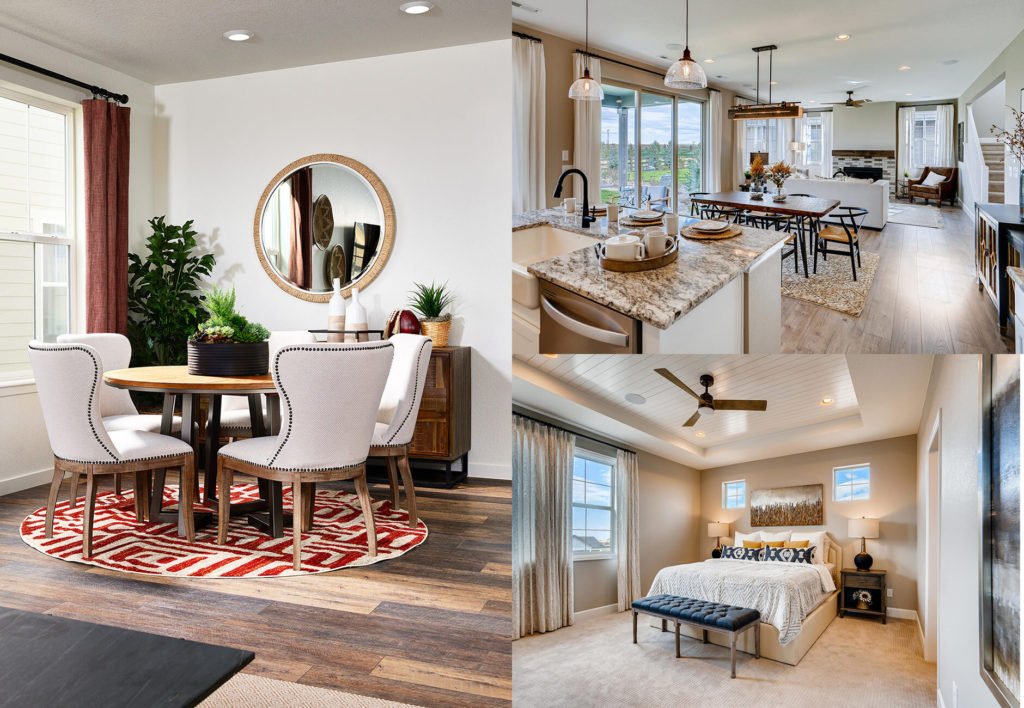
(940,192)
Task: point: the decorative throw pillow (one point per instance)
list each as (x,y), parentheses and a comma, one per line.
(933,179)
(775,535)
(789,555)
(740,537)
(797,544)
(775,544)
(818,539)
(752,544)
(738,553)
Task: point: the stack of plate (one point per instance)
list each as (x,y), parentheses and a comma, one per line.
(599,210)
(644,218)
(710,227)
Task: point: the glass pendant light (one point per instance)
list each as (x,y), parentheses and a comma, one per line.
(686,73)
(585,88)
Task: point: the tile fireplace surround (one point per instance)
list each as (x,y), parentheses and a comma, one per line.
(886,159)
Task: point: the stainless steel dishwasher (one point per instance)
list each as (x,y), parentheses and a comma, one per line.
(572,324)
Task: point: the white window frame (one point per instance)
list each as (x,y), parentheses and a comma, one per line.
(805,138)
(851,485)
(928,114)
(71,213)
(604,460)
(726,496)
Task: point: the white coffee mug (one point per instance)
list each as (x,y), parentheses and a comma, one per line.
(613,212)
(672,224)
(570,205)
(624,248)
(656,242)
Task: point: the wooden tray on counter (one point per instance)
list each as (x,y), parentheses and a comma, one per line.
(732,232)
(636,266)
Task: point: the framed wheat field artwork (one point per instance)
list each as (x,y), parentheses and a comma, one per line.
(788,506)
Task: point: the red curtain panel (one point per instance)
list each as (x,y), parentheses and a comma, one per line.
(300,260)
(106,215)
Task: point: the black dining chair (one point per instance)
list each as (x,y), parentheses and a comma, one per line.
(847,233)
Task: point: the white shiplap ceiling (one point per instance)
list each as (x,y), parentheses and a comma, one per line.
(810,64)
(873,398)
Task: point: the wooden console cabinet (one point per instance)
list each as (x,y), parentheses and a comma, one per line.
(443,427)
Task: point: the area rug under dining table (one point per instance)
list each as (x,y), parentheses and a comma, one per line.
(833,285)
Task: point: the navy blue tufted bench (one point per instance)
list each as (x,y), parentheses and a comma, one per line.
(706,615)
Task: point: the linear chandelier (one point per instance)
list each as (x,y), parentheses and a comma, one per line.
(758,110)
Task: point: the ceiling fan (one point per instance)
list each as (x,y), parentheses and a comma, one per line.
(851,102)
(706,403)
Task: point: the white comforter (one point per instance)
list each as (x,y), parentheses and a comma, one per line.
(784,593)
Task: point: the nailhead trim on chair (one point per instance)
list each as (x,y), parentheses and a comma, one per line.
(292,469)
(124,459)
(409,412)
(299,347)
(92,394)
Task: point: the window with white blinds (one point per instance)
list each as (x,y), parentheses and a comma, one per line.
(36,227)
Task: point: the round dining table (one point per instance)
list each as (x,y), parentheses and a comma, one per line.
(175,382)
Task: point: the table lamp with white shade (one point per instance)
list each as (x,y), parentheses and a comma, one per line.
(863,528)
(716,530)
(798,148)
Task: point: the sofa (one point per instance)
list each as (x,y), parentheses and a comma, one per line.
(873,196)
(939,192)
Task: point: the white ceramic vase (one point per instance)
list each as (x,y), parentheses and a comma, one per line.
(355,316)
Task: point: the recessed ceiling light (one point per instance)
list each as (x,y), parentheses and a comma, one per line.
(904,68)
(812,101)
(636,398)
(908,94)
(842,37)
(854,82)
(709,60)
(826,401)
(700,435)
(418,7)
(238,35)
(951,62)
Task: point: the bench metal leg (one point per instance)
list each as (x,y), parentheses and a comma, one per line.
(705,637)
(757,640)
(634,626)
(732,652)
(677,639)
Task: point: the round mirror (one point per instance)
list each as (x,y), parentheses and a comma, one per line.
(324,217)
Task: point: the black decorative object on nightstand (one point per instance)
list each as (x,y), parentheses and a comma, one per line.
(863,592)
(716,553)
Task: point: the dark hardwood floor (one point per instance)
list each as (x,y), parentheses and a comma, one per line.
(432,627)
(924,299)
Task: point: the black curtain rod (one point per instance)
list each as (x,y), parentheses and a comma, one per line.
(96,90)
(573,432)
(628,65)
(523,35)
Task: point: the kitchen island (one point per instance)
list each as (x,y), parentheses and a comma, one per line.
(719,296)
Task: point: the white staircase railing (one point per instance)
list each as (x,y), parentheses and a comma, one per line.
(973,170)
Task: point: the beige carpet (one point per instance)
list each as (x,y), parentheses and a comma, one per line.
(832,286)
(856,662)
(248,691)
(916,215)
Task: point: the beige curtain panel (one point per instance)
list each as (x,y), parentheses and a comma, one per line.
(542,589)
(627,515)
(587,132)
(528,86)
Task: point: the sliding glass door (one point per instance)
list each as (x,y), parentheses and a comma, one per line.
(649,142)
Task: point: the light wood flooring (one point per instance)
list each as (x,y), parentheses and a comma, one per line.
(432,627)
(924,299)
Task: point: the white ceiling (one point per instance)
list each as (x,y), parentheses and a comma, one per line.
(810,64)
(874,397)
(163,41)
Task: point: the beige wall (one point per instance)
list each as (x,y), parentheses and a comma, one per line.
(870,127)
(893,501)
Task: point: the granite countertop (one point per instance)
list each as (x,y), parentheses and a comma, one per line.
(656,297)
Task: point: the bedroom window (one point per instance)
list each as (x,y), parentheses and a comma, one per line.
(734,494)
(852,483)
(593,528)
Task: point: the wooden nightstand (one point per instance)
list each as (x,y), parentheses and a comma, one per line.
(855,581)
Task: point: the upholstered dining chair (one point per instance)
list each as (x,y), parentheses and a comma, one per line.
(396,416)
(69,378)
(330,396)
(117,409)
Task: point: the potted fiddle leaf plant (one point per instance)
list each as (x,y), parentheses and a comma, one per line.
(227,344)
(430,302)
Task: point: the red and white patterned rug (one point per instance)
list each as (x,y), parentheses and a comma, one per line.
(338,538)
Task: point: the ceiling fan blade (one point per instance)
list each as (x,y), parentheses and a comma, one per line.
(692,421)
(672,377)
(740,405)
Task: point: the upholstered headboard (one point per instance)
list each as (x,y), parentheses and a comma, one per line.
(834,556)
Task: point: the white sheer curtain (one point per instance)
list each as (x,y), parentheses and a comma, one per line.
(740,158)
(587,131)
(945,156)
(627,524)
(826,144)
(542,581)
(783,138)
(528,85)
(799,135)
(904,134)
(714,168)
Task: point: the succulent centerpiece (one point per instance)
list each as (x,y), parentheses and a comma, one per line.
(227,344)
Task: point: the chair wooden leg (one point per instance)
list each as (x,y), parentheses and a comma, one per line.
(367,504)
(308,505)
(141,498)
(74,491)
(88,511)
(298,506)
(410,490)
(117,484)
(51,500)
(225,476)
(187,497)
(392,466)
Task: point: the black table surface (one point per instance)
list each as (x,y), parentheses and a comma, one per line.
(54,661)
(1007,214)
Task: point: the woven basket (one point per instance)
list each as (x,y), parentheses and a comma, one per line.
(437,331)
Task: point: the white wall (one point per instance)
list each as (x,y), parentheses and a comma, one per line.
(989,109)
(25,456)
(870,127)
(436,128)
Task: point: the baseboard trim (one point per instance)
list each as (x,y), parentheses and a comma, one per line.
(26,481)
(595,611)
(900,613)
(490,471)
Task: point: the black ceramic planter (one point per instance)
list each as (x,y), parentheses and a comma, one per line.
(228,358)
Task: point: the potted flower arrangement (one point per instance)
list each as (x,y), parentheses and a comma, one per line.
(227,344)
(778,174)
(757,178)
(1014,141)
(430,302)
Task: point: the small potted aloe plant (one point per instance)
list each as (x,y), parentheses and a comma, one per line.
(227,344)
(431,301)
